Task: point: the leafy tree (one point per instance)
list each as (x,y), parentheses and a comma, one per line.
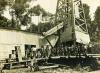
(3,20)
(97,24)
(33,28)
(21,15)
(97,17)
(20,12)
(3,3)
(37,10)
(96,33)
(87,11)
(42,27)
(88,18)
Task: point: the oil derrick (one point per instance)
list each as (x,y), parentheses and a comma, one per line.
(71,14)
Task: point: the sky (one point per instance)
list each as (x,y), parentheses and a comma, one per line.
(50,6)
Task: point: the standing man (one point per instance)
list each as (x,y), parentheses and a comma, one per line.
(33,61)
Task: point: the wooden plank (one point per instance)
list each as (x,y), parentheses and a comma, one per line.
(47,67)
(53,30)
(93,54)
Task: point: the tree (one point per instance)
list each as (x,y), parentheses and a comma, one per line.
(20,12)
(97,24)
(3,20)
(42,27)
(33,28)
(96,30)
(21,15)
(3,4)
(88,18)
(97,17)
(37,10)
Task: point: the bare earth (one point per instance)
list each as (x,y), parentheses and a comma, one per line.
(57,70)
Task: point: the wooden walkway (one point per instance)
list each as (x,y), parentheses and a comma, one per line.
(24,62)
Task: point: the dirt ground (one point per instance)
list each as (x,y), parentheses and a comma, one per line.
(58,70)
(48,71)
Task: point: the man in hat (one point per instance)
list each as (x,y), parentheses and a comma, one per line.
(33,61)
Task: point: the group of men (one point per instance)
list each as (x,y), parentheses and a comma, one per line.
(76,50)
(47,51)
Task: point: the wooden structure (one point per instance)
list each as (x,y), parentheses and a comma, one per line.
(11,38)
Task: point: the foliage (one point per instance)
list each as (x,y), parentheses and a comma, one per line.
(88,18)
(3,20)
(21,15)
(20,7)
(43,27)
(3,3)
(37,10)
(33,28)
(96,22)
(87,11)
(97,16)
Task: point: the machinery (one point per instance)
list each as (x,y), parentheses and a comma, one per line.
(68,37)
(70,34)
